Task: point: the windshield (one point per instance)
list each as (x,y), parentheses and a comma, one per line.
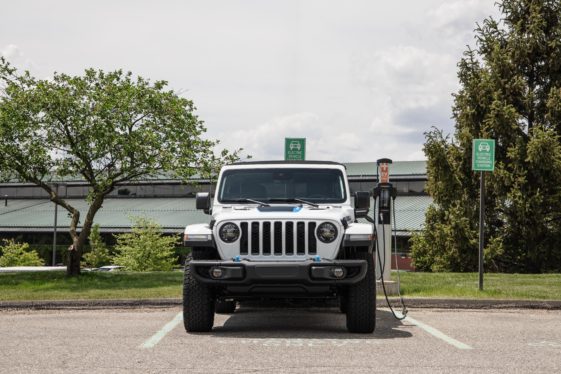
(282,185)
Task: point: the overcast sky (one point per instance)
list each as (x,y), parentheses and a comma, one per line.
(360,80)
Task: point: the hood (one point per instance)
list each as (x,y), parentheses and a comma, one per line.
(282,212)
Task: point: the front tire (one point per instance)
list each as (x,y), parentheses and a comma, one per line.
(361,299)
(198,303)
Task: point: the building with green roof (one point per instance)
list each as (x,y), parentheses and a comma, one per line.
(26,212)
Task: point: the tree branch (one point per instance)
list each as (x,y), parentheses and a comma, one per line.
(63,203)
(89,174)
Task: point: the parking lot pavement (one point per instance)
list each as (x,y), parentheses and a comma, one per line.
(279,340)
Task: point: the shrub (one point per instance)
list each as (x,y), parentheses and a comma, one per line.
(145,248)
(99,254)
(18,254)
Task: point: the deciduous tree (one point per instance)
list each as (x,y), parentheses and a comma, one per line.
(108,128)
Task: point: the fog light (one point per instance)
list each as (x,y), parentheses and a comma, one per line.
(338,272)
(216,273)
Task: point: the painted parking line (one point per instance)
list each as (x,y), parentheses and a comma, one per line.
(436,333)
(155,339)
(168,327)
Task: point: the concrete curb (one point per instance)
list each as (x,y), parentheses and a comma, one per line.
(171,303)
(476,304)
(91,304)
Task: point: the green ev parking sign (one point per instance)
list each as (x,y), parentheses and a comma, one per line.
(482,159)
(483,155)
(295,149)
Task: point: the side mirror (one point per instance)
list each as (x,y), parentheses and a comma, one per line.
(362,203)
(202,201)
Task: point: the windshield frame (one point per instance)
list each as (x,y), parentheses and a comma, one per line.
(339,172)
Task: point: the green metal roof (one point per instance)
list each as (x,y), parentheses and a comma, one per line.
(354,169)
(173,214)
(38,215)
(397,168)
(410,213)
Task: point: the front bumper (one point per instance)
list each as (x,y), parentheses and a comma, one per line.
(289,272)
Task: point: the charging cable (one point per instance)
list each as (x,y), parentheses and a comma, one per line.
(404,310)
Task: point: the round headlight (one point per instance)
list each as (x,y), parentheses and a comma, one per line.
(229,232)
(326,232)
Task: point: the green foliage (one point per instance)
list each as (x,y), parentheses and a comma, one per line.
(99,253)
(511,92)
(145,248)
(497,285)
(18,254)
(55,285)
(105,127)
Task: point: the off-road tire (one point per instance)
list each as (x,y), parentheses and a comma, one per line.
(198,303)
(225,307)
(361,299)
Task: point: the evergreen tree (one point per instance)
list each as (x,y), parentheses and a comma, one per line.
(511,92)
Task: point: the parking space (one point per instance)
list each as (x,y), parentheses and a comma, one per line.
(287,340)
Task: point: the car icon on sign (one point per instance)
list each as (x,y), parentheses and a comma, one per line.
(484,147)
(294,145)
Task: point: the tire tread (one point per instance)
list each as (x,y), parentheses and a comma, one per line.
(198,303)
(361,299)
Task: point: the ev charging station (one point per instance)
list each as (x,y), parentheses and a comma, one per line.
(383,194)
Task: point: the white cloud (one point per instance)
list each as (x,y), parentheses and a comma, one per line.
(360,80)
(455,20)
(326,139)
(405,90)
(11,51)
(407,76)
(415,156)
(16,57)
(410,91)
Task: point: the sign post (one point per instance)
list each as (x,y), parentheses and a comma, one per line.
(482,160)
(55,225)
(295,149)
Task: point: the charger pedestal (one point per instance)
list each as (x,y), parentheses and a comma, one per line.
(384,193)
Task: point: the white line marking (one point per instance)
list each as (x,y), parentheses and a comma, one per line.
(155,339)
(436,333)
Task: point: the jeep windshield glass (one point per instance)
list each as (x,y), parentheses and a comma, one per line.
(277,186)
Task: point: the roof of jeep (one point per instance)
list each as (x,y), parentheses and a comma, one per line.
(288,162)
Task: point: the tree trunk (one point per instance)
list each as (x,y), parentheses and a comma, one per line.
(73,266)
(76,249)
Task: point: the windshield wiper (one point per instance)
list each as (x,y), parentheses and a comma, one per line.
(306,202)
(247,201)
(295,199)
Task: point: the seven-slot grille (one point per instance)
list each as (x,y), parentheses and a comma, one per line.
(280,238)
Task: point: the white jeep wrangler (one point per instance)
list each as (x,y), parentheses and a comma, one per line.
(280,229)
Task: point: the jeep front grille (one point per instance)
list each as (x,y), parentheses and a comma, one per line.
(280,238)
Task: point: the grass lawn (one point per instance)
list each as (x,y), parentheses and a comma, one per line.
(496,286)
(95,285)
(124,285)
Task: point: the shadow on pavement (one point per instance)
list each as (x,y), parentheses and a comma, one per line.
(314,323)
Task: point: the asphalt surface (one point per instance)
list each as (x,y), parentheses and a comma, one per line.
(273,340)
